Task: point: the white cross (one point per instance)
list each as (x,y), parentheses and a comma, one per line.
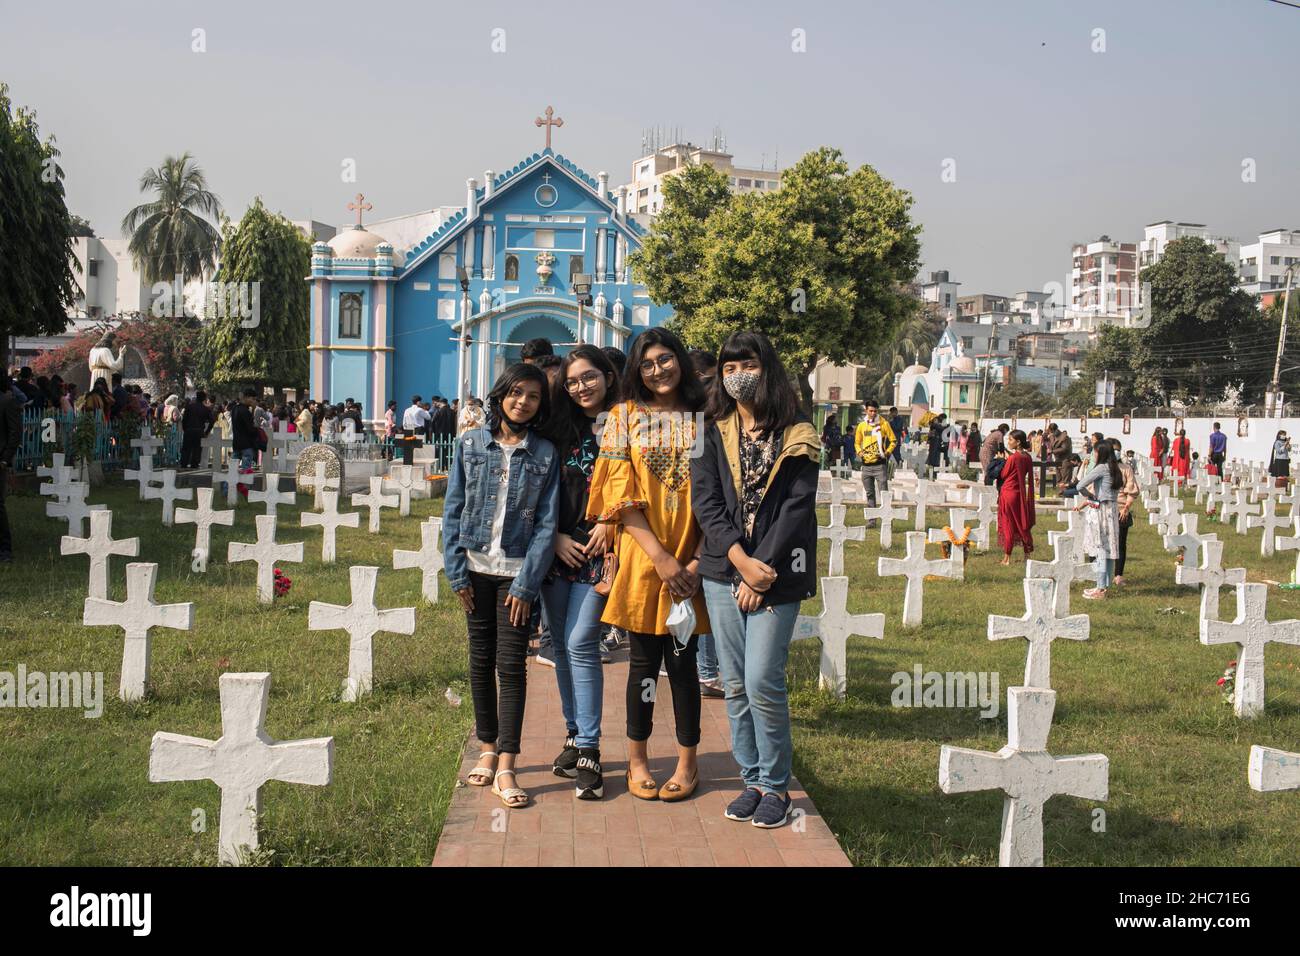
(1252,631)
(428,559)
(1208,485)
(1188,541)
(885,513)
(1169,516)
(1176,480)
(330,519)
(136,615)
(1211,575)
(277,445)
(1244,511)
(403,480)
(100,546)
(960,518)
(834,626)
(374,500)
(271,495)
(144,474)
(955,554)
(926,493)
(234,479)
(1040,626)
(147,443)
(1291,543)
(74,510)
(838,532)
(265,552)
(243,759)
(62,485)
(1265,489)
(56,462)
(213,444)
(985,500)
(169,494)
(204,517)
(1270,521)
(1272,770)
(915,567)
(1154,504)
(1064,568)
(318,483)
(362,620)
(1026,773)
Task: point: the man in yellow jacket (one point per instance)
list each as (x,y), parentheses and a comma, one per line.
(874,442)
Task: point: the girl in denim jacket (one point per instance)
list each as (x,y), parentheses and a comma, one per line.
(499,532)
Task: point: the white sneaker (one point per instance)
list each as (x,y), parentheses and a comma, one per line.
(1095,594)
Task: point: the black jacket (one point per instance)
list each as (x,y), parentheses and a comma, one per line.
(785,526)
(11,428)
(196,417)
(243,430)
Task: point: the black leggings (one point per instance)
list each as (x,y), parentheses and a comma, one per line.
(497,651)
(1125,523)
(646,653)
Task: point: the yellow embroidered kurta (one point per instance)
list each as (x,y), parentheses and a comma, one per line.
(645,463)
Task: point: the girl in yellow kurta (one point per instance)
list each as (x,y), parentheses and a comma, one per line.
(642,479)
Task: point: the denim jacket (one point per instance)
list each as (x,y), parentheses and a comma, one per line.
(531,507)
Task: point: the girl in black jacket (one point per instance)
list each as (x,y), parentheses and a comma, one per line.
(754,491)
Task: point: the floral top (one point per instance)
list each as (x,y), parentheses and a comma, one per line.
(757,456)
(575,483)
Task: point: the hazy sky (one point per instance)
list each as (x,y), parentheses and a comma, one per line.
(1052,142)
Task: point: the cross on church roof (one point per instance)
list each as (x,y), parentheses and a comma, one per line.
(359,205)
(548,123)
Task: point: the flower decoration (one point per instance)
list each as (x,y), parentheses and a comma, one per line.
(282,583)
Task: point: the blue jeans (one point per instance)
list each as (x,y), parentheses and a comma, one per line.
(706,658)
(752,654)
(573,613)
(247,456)
(1105,572)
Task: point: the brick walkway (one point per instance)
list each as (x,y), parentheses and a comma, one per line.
(557,829)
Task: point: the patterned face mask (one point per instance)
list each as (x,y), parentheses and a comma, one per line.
(742,386)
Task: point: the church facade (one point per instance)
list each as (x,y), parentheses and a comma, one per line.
(388,323)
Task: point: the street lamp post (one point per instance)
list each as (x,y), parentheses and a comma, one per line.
(462,355)
(581,282)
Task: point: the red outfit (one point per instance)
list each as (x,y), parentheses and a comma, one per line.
(1016,503)
(1180,461)
(1158,456)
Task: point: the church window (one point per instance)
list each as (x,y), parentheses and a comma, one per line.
(640,315)
(350,315)
(512,268)
(545,238)
(575,266)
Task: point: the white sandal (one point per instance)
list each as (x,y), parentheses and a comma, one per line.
(482,776)
(510,796)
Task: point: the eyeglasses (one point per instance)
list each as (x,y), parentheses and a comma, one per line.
(664,364)
(586,380)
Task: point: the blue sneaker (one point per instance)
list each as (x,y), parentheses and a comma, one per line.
(772,811)
(743,807)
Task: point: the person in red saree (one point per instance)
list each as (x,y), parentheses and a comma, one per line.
(1158,454)
(1180,454)
(1016,498)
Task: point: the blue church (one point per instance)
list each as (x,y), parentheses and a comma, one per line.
(448,314)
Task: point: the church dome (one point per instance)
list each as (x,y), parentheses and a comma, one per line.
(356,243)
(963,364)
(915,370)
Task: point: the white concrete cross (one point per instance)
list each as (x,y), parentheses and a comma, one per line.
(169,494)
(834,626)
(1026,773)
(374,500)
(56,462)
(1064,569)
(74,509)
(1167,516)
(1216,498)
(100,546)
(1039,626)
(886,514)
(955,554)
(1189,540)
(1176,480)
(234,479)
(63,484)
(985,500)
(330,519)
(240,761)
(1154,504)
(204,517)
(838,532)
(1210,576)
(271,495)
(1270,521)
(428,559)
(213,444)
(265,552)
(926,493)
(404,480)
(1244,511)
(147,443)
(276,456)
(1273,770)
(961,518)
(318,483)
(1252,631)
(136,615)
(1291,543)
(144,474)
(1265,489)
(362,620)
(915,567)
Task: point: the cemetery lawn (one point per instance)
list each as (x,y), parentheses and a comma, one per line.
(1141,690)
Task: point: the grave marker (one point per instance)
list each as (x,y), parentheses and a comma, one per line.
(362,620)
(136,616)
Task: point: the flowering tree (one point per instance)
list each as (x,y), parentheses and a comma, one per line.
(165,344)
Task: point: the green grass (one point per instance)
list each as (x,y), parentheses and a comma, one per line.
(1141,690)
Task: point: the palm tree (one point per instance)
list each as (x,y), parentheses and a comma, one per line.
(914,338)
(170,236)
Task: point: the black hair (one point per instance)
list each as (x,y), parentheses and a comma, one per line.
(1021,438)
(776,406)
(690,390)
(514,375)
(569,423)
(535,347)
(548,361)
(617,357)
(1106,455)
(704,361)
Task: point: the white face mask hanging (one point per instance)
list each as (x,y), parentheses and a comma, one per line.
(681,623)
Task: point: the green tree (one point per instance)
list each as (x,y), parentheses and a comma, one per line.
(171,235)
(1018,396)
(1112,354)
(820,266)
(270,350)
(911,342)
(80,227)
(37,284)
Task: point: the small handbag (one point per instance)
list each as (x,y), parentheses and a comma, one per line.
(607,574)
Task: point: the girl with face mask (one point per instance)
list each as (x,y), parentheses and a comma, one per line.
(1279,465)
(754,490)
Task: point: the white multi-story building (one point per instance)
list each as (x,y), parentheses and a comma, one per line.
(1262,264)
(1157,235)
(942,292)
(645,191)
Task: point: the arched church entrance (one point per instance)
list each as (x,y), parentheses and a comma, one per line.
(536,327)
